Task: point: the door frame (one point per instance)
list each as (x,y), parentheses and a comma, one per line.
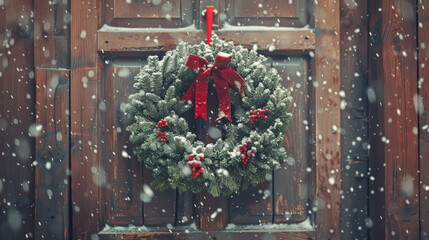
(86,118)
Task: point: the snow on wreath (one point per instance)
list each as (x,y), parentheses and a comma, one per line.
(251,99)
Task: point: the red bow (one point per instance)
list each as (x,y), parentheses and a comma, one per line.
(222,75)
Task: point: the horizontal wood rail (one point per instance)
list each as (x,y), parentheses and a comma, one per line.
(122,41)
(275,234)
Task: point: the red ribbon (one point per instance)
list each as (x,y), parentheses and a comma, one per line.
(222,75)
(209,19)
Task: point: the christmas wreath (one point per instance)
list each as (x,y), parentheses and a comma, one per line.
(255,124)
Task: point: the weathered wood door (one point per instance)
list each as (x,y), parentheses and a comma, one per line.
(110,40)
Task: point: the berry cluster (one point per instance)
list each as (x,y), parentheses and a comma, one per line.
(246,152)
(161,135)
(195,163)
(162,123)
(255,114)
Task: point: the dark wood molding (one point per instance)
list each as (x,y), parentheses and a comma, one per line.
(354,119)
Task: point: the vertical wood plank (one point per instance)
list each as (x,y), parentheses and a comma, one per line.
(253,205)
(52,33)
(16,116)
(185,208)
(86,99)
(123,179)
(423,106)
(375,115)
(161,210)
(394,120)
(291,199)
(354,108)
(328,119)
(185,201)
(52,154)
(205,203)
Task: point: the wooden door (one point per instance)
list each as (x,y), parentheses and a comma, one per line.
(110,194)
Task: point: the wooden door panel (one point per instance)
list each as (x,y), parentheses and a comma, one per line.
(146,9)
(148,13)
(128,199)
(272,13)
(253,205)
(284,197)
(291,182)
(124,178)
(123,174)
(185,209)
(161,210)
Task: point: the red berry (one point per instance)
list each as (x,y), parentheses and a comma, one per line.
(164,140)
(249,142)
(253,150)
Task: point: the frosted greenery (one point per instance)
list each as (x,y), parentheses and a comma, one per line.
(162,83)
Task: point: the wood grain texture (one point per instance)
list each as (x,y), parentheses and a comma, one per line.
(375,115)
(354,119)
(205,204)
(146,9)
(134,42)
(83,32)
(52,34)
(291,183)
(52,154)
(143,13)
(394,132)
(123,173)
(17,114)
(253,205)
(86,129)
(185,209)
(328,120)
(423,106)
(161,210)
(268,13)
(224,235)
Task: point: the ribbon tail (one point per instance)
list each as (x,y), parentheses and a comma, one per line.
(233,78)
(201,88)
(224,100)
(190,94)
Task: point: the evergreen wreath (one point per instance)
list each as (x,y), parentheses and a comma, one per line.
(253,143)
